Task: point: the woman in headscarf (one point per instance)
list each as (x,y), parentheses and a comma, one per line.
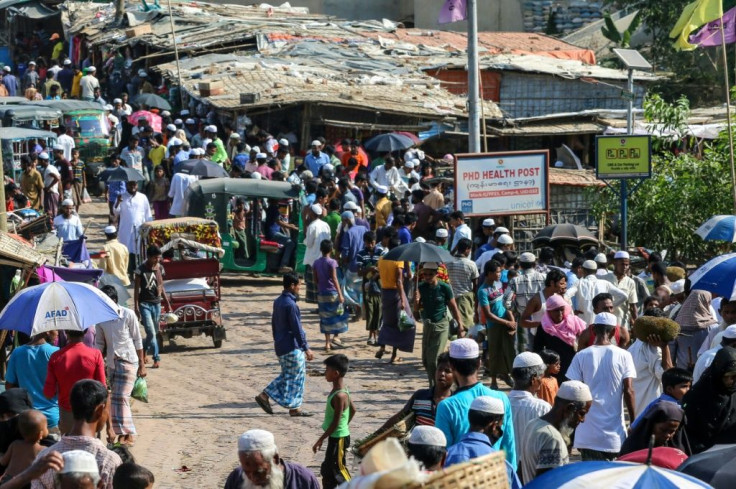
(666,421)
(559,331)
(710,406)
(695,319)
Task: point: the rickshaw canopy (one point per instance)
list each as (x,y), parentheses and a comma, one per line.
(27,112)
(68,105)
(18,133)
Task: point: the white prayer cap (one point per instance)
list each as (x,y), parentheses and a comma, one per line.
(92,68)
(487,404)
(464,348)
(381,189)
(348,215)
(678,287)
(420,240)
(43,155)
(79,461)
(142,73)
(58,147)
(501,230)
(621,255)
(316,143)
(32,63)
(329,167)
(409,164)
(117,101)
(505,239)
(590,265)
(430,265)
(488,223)
(256,441)
(420,154)
(527,257)
(574,390)
(175,142)
(246,148)
(184,112)
(111,229)
(67,202)
(255,149)
(171,127)
(283,142)
(350,206)
(6,68)
(257,176)
(601,258)
(189,121)
(605,318)
(67,62)
(317,209)
(441,233)
(306,174)
(211,128)
(261,156)
(108,107)
(527,359)
(730,332)
(427,435)
(178,122)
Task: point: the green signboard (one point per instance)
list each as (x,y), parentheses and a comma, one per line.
(623,156)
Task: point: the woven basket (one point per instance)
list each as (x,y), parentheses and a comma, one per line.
(488,472)
(400,430)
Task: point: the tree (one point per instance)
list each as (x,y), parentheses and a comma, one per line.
(622,39)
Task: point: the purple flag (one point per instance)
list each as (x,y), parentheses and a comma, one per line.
(452,11)
(710,34)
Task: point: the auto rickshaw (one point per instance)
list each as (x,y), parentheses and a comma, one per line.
(29,116)
(18,141)
(191,271)
(249,251)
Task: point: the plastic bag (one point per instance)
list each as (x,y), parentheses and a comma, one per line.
(86,199)
(406,322)
(140,390)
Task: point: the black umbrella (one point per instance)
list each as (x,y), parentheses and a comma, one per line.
(419,252)
(151,100)
(565,234)
(716,466)
(201,168)
(121,174)
(385,143)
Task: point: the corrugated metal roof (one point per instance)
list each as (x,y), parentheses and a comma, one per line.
(572,127)
(574,178)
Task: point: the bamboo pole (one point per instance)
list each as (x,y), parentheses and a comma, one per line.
(728,114)
(176,55)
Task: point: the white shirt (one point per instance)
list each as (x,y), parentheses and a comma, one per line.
(648,381)
(87,84)
(133,210)
(704,362)
(543,447)
(47,172)
(68,143)
(68,229)
(590,286)
(485,257)
(122,337)
(462,231)
(178,191)
(714,337)
(317,231)
(603,369)
(623,311)
(388,178)
(525,409)
(133,158)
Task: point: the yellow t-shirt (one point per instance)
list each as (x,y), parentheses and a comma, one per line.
(383,210)
(76,89)
(156,155)
(387,270)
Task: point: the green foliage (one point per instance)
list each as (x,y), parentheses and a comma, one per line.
(551,28)
(621,39)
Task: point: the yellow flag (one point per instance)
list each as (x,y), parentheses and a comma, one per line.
(695,15)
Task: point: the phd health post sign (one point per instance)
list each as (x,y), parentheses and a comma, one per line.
(502,183)
(623,157)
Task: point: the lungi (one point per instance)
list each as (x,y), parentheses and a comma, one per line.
(352,288)
(501,350)
(466,306)
(288,388)
(121,379)
(77,193)
(330,321)
(51,203)
(390,335)
(372,306)
(311,295)
(161,209)
(434,342)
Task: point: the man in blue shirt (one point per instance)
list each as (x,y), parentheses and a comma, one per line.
(278,228)
(10,82)
(485,416)
(27,369)
(316,159)
(452,413)
(292,349)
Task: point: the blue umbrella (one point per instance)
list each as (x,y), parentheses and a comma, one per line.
(619,475)
(57,305)
(718,228)
(388,143)
(718,276)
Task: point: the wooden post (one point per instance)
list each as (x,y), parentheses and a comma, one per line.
(728,115)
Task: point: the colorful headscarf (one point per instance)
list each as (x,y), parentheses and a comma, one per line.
(570,326)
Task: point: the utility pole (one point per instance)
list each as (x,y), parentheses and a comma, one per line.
(624,182)
(473,84)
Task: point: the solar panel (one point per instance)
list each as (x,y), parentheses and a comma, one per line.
(633,59)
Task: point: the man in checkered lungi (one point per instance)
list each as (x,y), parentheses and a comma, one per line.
(292,349)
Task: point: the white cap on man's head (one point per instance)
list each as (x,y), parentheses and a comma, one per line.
(574,390)
(505,239)
(487,404)
(111,229)
(605,318)
(527,257)
(501,230)
(117,101)
(409,164)
(621,255)
(67,203)
(441,233)
(43,155)
(527,359)
(350,206)
(464,348)
(67,62)
(189,121)
(261,156)
(176,142)
(427,435)
(730,332)
(171,127)
(79,461)
(381,189)
(178,122)
(317,209)
(256,441)
(31,63)
(348,215)
(6,68)
(678,287)
(184,112)
(255,149)
(488,223)
(590,265)
(58,147)
(601,258)
(283,142)
(91,68)
(316,142)
(211,128)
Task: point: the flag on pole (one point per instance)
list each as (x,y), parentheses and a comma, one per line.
(710,35)
(452,11)
(694,15)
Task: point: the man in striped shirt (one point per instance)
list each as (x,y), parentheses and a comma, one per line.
(464,280)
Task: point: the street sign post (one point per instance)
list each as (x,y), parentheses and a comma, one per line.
(623,157)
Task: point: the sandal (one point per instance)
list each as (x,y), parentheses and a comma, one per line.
(337,341)
(265,405)
(379,354)
(156,364)
(396,360)
(300,414)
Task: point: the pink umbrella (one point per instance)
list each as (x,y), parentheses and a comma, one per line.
(410,135)
(153,120)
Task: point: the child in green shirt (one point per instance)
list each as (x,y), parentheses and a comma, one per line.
(338,414)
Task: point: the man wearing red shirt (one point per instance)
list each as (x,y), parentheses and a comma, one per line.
(76,361)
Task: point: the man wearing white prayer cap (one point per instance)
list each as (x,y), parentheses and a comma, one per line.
(428,445)
(626,312)
(502,242)
(527,372)
(489,241)
(602,263)
(486,416)
(316,159)
(545,444)
(452,416)
(114,259)
(609,373)
(67,224)
(590,286)
(440,237)
(79,472)
(261,467)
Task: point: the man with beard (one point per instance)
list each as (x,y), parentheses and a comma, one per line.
(262,468)
(545,444)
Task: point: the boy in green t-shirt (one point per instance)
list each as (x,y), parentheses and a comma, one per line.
(338,414)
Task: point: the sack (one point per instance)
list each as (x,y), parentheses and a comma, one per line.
(86,199)
(140,390)
(406,322)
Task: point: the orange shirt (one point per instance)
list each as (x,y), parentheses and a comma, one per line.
(362,161)
(548,389)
